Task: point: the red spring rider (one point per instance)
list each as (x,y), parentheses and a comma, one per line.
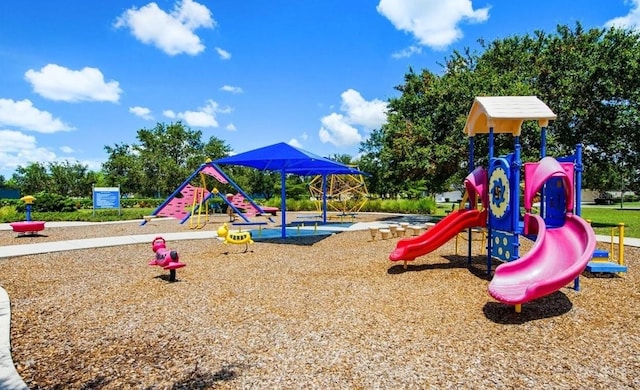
(165,258)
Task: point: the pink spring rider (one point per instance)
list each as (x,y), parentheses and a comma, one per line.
(165,258)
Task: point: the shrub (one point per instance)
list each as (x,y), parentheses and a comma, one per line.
(10,214)
(46,201)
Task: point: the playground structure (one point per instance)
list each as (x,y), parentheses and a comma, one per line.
(564,242)
(346,194)
(190,203)
(27,227)
(165,258)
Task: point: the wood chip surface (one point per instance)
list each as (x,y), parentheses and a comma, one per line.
(330,313)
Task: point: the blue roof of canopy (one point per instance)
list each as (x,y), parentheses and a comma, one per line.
(282,156)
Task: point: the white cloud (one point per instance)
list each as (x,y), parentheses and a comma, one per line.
(630,20)
(232,89)
(22,114)
(142,112)
(19,149)
(204,117)
(434,23)
(14,141)
(171,32)
(408,52)
(199,119)
(370,114)
(342,130)
(231,127)
(225,55)
(336,130)
(295,143)
(58,83)
(93,165)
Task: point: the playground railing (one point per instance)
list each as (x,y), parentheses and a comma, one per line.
(620,229)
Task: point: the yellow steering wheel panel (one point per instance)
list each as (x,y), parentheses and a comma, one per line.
(499,194)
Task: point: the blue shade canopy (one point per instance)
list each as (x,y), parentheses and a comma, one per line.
(285,158)
(282,156)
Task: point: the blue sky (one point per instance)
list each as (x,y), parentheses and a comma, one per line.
(78,75)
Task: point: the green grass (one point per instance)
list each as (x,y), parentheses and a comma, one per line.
(603,219)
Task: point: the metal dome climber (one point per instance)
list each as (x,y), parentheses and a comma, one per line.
(346,194)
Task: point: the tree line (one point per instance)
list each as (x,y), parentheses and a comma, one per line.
(589,78)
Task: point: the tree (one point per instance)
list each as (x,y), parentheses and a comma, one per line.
(590,79)
(123,168)
(263,183)
(372,162)
(61,178)
(70,179)
(31,179)
(162,159)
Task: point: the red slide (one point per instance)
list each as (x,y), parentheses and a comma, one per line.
(407,249)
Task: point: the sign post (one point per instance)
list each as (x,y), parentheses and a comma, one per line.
(106,198)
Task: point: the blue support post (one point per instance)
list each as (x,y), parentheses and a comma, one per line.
(515,166)
(578,180)
(283,202)
(324,198)
(489,230)
(543,153)
(578,197)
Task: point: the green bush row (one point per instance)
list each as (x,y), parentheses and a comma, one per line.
(53,202)
(53,207)
(402,206)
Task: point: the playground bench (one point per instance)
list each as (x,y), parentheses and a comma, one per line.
(343,215)
(258,224)
(303,218)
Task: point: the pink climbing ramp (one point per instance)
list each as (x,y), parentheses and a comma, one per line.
(180,207)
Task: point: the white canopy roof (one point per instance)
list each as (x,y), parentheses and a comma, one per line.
(506,114)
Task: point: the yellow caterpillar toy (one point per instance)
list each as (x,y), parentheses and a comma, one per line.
(235,237)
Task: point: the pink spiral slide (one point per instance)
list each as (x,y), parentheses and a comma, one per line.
(558,255)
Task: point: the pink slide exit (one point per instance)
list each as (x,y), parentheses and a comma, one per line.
(559,254)
(407,249)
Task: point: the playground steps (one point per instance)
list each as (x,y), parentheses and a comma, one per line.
(601,263)
(605,266)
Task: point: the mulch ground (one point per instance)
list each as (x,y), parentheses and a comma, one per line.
(312,313)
